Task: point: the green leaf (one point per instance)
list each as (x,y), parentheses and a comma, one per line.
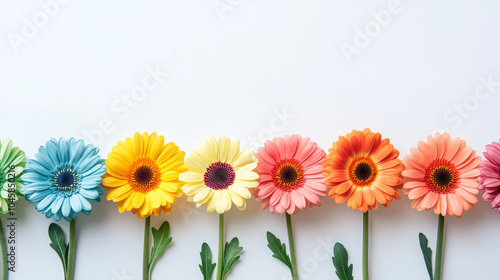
(206,266)
(231,255)
(427,252)
(160,243)
(59,244)
(341,262)
(278,249)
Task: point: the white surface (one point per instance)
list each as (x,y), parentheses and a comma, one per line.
(227,76)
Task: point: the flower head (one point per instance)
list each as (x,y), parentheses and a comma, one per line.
(441,175)
(64,178)
(142,175)
(363,169)
(219,175)
(12,162)
(489,180)
(290,174)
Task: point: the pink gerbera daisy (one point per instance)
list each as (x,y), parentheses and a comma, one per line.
(290,174)
(489,180)
(441,175)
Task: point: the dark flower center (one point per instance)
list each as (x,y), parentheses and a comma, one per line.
(219,175)
(143,175)
(288,175)
(65,179)
(441,176)
(362,171)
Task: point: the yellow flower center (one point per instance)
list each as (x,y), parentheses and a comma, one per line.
(144,175)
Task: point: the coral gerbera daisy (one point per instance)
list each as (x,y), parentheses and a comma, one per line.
(142,175)
(489,180)
(12,162)
(290,179)
(290,174)
(441,175)
(363,169)
(219,175)
(64,178)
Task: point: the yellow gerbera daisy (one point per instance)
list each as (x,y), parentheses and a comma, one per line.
(219,175)
(143,175)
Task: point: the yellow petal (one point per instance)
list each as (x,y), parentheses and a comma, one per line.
(243,157)
(191,176)
(242,191)
(113,182)
(169,186)
(155,199)
(211,149)
(169,175)
(224,143)
(236,198)
(201,194)
(247,176)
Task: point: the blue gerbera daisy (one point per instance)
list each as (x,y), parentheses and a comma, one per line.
(64,178)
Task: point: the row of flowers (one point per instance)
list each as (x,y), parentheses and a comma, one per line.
(145,175)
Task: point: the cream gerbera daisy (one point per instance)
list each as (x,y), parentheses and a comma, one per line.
(219,175)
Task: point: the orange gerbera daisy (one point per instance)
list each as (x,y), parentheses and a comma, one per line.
(441,175)
(363,169)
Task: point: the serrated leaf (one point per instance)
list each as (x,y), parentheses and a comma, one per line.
(427,252)
(341,262)
(58,243)
(231,255)
(160,243)
(278,249)
(206,266)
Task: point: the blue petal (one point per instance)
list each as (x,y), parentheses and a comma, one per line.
(86,206)
(76,152)
(37,196)
(62,150)
(56,205)
(52,151)
(89,194)
(66,208)
(75,203)
(45,202)
(39,168)
(57,215)
(43,158)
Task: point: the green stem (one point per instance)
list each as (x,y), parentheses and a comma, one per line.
(71,251)
(221,247)
(145,255)
(3,247)
(365,245)
(439,248)
(295,276)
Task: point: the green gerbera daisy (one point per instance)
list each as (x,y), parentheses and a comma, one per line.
(12,162)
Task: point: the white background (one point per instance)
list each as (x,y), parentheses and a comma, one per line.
(234,72)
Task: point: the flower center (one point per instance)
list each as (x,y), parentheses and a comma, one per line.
(219,175)
(144,175)
(65,179)
(288,175)
(441,176)
(362,171)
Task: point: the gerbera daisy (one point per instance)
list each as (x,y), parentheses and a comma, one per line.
(489,180)
(441,175)
(142,175)
(12,162)
(363,169)
(290,176)
(219,175)
(290,179)
(62,180)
